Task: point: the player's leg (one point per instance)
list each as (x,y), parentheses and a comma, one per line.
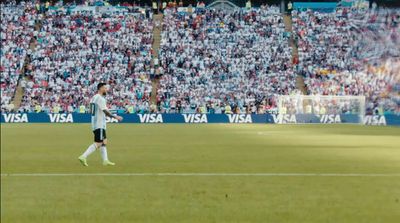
(97,143)
(103,151)
(88,151)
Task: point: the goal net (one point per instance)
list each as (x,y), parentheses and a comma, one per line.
(320,107)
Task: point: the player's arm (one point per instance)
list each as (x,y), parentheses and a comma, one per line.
(109,114)
(103,107)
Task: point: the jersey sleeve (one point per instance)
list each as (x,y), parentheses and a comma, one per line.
(102,104)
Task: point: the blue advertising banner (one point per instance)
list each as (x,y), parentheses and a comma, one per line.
(388,120)
(328,119)
(205,118)
(137,118)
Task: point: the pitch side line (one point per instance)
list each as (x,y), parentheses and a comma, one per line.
(205,174)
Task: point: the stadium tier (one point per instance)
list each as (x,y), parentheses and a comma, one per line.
(209,60)
(215,58)
(351,53)
(17,27)
(75,52)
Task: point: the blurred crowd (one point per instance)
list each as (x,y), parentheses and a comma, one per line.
(16,31)
(216,59)
(76,50)
(351,53)
(209,61)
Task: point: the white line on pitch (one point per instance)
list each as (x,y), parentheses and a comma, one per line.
(205,174)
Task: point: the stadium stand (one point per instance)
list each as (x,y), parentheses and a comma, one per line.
(17,28)
(215,59)
(209,61)
(73,49)
(351,53)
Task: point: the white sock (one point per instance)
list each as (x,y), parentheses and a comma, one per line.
(103,151)
(89,150)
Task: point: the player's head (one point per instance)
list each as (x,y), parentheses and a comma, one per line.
(102,88)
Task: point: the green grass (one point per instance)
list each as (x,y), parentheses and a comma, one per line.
(210,148)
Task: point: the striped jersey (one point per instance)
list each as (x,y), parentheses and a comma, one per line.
(97,105)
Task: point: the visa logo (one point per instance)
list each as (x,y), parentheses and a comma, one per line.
(374,120)
(112,120)
(284,119)
(150,118)
(240,118)
(61,118)
(195,118)
(330,119)
(15,117)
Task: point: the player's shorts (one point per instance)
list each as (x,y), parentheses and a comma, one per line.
(99,135)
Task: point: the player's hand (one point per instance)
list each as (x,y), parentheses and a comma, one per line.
(119,118)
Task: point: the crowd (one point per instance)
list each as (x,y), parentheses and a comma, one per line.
(77,50)
(217,61)
(351,53)
(210,61)
(17,27)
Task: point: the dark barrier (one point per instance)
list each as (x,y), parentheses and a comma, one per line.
(205,118)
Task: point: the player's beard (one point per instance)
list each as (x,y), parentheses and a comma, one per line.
(104,93)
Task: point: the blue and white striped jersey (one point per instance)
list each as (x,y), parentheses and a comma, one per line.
(97,105)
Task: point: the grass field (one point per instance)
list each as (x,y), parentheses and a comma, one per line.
(364,162)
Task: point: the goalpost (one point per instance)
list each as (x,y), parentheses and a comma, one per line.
(322,105)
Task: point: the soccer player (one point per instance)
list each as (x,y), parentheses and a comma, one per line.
(99,111)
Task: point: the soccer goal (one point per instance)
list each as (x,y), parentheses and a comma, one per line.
(323,107)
